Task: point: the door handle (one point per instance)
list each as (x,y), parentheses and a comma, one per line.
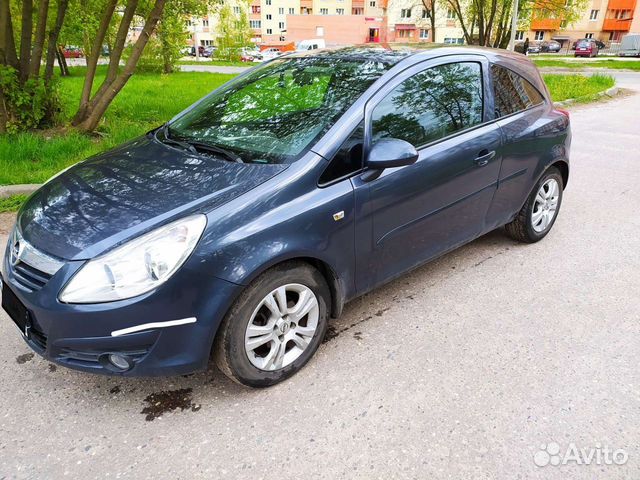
(483,157)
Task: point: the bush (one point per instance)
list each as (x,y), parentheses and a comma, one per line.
(29,106)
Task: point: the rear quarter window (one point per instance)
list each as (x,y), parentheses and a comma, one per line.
(512,92)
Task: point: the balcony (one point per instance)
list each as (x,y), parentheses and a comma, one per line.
(616,25)
(622,4)
(306,4)
(545,24)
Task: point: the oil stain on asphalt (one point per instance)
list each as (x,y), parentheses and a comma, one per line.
(27,357)
(163,402)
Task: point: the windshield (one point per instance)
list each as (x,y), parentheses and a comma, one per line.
(274,114)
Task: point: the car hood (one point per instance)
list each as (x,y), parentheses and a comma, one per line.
(118,194)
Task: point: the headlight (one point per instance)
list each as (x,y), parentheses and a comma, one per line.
(137,266)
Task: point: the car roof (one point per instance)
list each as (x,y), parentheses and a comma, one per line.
(394,55)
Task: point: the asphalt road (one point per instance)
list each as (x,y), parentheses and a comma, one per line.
(462,369)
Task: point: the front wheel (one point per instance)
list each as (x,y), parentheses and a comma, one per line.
(274,327)
(539,213)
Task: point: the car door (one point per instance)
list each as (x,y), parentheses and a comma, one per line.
(410,214)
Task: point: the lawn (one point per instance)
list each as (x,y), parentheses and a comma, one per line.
(580,87)
(580,64)
(147,101)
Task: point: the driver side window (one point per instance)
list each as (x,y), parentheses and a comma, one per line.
(431,105)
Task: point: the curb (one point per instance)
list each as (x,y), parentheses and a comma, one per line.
(609,92)
(7,191)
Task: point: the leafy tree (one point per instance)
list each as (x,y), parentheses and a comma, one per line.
(26,100)
(488,22)
(172,32)
(233,30)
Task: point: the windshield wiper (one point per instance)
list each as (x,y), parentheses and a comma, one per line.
(193,147)
(207,147)
(167,139)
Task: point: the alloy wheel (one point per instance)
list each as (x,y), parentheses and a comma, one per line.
(281,327)
(545,205)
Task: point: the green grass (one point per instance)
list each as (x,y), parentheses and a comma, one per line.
(579,65)
(580,87)
(12,203)
(148,100)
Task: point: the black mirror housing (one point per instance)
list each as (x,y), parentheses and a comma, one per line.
(390,153)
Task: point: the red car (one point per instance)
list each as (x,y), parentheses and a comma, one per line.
(72,52)
(586,48)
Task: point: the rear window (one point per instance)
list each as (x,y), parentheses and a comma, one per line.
(512,92)
(584,43)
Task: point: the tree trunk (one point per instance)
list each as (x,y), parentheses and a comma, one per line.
(25,39)
(38,46)
(92,62)
(52,44)
(433,20)
(4,28)
(100,103)
(118,47)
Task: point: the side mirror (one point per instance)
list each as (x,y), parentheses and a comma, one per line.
(391,152)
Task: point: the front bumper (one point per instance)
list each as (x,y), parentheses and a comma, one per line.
(80,336)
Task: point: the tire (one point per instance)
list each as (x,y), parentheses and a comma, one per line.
(282,351)
(529,229)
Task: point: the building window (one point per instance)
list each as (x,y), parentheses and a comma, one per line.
(357,11)
(282,38)
(404,34)
(205,22)
(269,16)
(281,11)
(254,23)
(425,13)
(539,35)
(339,11)
(255,8)
(424,33)
(319,31)
(372,3)
(594,15)
(324,11)
(267,2)
(292,11)
(519,35)
(281,25)
(269,31)
(453,41)
(405,13)
(588,35)
(236,10)
(451,14)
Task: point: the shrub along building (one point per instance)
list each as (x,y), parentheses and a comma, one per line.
(604,20)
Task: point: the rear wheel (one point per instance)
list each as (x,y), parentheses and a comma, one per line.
(539,213)
(275,326)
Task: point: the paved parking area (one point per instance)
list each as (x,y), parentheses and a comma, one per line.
(464,368)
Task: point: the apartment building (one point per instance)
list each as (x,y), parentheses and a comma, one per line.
(604,20)
(339,22)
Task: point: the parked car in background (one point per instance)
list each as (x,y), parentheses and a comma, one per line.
(270,53)
(208,52)
(534,47)
(630,46)
(244,224)
(192,52)
(550,46)
(598,43)
(313,44)
(586,48)
(72,52)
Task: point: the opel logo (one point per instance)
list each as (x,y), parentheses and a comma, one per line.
(15,253)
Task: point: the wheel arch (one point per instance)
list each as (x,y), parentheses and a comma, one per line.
(563,166)
(334,282)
